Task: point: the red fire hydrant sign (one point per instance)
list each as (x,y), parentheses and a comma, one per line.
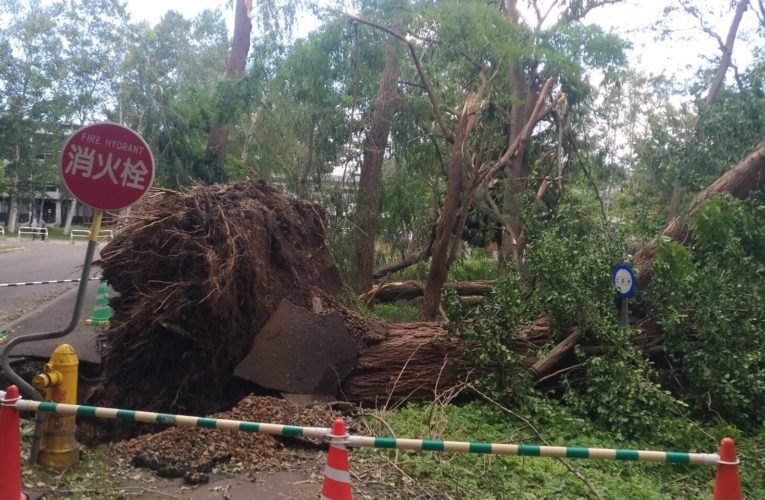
(107,166)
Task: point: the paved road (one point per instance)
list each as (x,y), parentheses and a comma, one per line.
(46,308)
(36,261)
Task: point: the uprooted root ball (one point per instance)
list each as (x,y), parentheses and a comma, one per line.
(198,273)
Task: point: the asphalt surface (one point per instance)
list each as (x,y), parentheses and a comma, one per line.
(46,308)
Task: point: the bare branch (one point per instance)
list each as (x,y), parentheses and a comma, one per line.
(420,71)
(541,18)
(538,13)
(410,260)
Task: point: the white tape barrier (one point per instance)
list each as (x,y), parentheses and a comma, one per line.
(33,232)
(106,234)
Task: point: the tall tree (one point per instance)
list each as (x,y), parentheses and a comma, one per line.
(275,18)
(237,60)
(368,194)
(167,90)
(525,77)
(30,110)
(470,60)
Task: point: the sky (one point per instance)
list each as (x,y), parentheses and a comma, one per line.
(677,58)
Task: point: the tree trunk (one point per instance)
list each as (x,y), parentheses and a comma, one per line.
(516,171)
(546,364)
(368,196)
(417,361)
(739,181)
(13,214)
(446,223)
(240,47)
(305,172)
(678,189)
(70,215)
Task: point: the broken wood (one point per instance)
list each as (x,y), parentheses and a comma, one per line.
(411,260)
(546,364)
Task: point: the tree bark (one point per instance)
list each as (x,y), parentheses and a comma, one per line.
(739,181)
(415,361)
(546,364)
(240,47)
(368,196)
(418,360)
(516,170)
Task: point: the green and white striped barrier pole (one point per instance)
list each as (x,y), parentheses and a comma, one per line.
(169,419)
(527,450)
(533,450)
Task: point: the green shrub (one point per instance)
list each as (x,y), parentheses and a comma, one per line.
(566,278)
(710,301)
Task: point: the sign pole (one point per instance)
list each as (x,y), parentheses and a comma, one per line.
(623,279)
(624,319)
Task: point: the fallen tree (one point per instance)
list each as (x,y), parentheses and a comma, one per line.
(201,271)
(743,178)
(417,360)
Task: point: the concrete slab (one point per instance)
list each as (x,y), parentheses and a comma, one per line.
(300,352)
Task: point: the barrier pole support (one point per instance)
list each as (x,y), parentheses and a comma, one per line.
(10,447)
(727,482)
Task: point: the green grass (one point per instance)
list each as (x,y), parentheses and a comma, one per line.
(474,268)
(94,477)
(396,312)
(484,476)
(5,248)
(479,266)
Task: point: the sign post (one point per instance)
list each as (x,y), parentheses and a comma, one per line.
(106,167)
(623,278)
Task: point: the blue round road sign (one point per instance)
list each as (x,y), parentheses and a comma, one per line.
(623,279)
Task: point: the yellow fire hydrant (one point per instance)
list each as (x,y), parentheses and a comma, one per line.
(60,449)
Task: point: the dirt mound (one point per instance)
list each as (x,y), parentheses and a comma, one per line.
(192,452)
(198,273)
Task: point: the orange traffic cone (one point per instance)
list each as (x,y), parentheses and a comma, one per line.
(727,483)
(10,447)
(337,478)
